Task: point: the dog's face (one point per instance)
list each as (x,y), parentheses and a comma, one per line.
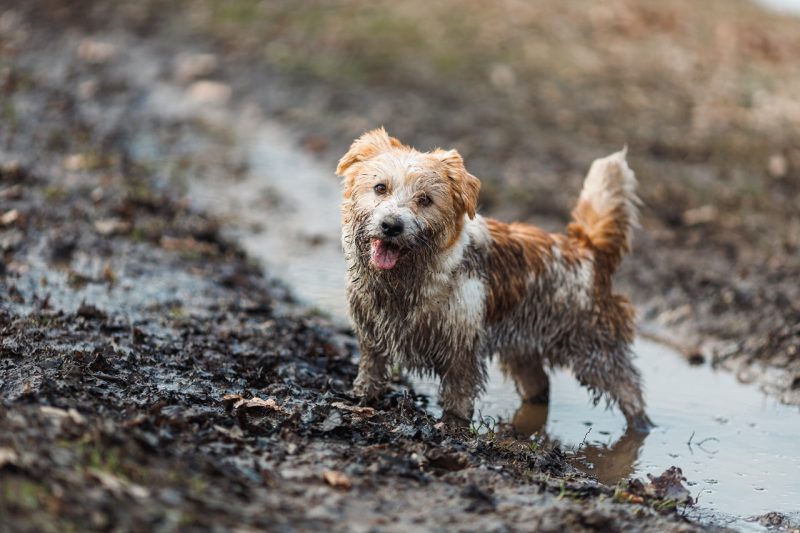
(403,205)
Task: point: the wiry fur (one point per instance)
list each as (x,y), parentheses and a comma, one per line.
(467,288)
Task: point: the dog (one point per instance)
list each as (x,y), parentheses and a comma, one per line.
(435,288)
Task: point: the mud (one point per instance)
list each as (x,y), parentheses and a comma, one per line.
(154,378)
(531,93)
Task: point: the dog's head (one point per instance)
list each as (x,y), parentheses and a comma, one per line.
(403,203)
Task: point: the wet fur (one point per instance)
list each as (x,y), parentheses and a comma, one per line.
(467,288)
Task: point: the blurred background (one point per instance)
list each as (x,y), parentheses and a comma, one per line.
(703,94)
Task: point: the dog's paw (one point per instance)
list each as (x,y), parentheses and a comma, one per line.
(641,423)
(366,394)
(454,421)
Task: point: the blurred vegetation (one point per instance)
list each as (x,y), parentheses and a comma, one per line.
(704,93)
(684,83)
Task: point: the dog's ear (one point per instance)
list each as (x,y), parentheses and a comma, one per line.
(368,145)
(464,185)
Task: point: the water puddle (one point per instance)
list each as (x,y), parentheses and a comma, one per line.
(739,449)
(782,6)
(293,201)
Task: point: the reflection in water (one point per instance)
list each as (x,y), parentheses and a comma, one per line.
(609,464)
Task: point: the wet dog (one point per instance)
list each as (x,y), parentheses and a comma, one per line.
(437,289)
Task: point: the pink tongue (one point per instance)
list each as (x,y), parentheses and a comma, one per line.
(383,256)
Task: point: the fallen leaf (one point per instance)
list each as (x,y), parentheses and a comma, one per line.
(337,480)
(112,226)
(186,245)
(700,215)
(11,193)
(447,460)
(331,422)
(229,400)
(8,457)
(253,406)
(357,409)
(9,217)
(667,486)
(119,486)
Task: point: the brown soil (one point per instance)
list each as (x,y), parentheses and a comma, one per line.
(152,379)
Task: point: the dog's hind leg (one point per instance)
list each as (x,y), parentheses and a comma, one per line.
(533,384)
(609,371)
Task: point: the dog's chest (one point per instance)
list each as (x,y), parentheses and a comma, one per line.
(424,326)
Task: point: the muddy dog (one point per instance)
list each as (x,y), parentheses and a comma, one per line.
(437,289)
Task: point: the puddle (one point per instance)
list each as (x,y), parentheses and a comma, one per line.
(737,447)
(783,6)
(293,202)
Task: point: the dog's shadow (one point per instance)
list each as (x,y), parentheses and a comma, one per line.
(608,463)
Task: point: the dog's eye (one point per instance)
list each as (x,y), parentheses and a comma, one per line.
(380,188)
(424,200)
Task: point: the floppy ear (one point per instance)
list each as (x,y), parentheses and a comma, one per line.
(465,186)
(368,145)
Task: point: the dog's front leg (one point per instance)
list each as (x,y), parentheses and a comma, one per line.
(461,383)
(372,374)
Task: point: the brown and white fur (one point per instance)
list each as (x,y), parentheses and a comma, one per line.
(437,289)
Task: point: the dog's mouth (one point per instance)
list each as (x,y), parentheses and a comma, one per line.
(383,254)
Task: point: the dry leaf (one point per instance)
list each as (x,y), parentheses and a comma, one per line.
(111,226)
(337,480)
(363,411)
(8,457)
(9,217)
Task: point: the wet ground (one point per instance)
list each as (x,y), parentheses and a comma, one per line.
(154,378)
(736,445)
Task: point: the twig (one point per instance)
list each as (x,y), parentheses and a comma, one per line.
(584,440)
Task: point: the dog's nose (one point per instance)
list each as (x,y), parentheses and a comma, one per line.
(392,227)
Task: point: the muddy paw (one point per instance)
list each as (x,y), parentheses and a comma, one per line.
(454,421)
(641,423)
(366,395)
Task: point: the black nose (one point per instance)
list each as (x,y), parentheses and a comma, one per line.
(392,227)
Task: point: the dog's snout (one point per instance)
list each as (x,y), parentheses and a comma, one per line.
(392,226)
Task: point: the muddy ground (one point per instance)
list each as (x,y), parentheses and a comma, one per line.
(704,95)
(153,379)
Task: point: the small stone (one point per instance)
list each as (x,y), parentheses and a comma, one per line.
(96,51)
(97,194)
(209,92)
(76,162)
(111,226)
(777,166)
(502,76)
(192,66)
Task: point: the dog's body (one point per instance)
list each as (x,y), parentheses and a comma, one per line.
(437,289)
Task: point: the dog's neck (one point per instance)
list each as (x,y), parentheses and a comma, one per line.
(424,275)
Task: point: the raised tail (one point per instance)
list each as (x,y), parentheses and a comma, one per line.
(607,212)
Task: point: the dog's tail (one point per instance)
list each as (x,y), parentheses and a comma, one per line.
(607,212)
